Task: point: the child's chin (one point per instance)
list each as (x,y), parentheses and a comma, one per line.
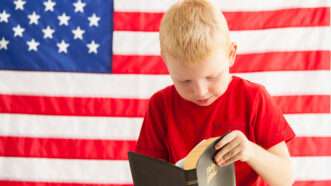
(205,103)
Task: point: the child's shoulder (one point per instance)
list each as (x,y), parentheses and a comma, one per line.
(163,94)
(248,87)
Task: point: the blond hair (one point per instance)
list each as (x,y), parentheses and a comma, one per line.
(191,30)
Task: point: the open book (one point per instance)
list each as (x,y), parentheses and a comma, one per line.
(198,169)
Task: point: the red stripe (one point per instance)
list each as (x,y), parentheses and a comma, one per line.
(297,17)
(303,104)
(65,148)
(118,149)
(131,107)
(282,61)
(30,183)
(72,106)
(310,146)
(269,61)
(303,183)
(313,183)
(133,64)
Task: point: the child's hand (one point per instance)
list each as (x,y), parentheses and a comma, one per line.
(234,146)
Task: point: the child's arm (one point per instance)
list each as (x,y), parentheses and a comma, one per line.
(273,165)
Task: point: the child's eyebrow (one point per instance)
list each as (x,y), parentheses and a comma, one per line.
(217,74)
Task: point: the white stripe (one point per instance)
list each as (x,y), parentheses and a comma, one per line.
(250,41)
(143,86)
(62,170)
(293,83)
(312,168)
(21,125)
(225,5)
(118,172)
(70,127)
(77,84)
(309,125)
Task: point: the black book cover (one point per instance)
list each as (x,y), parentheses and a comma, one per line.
(147,171)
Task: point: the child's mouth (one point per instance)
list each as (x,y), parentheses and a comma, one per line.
(203,101)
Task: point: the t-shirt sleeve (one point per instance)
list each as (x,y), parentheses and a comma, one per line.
(151,141)
(269,125)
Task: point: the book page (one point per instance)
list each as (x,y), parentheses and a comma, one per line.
(190,161)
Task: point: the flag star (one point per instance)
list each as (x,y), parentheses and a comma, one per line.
(4,16)
(49,5)
(19,4)
(63,46)
(79,6)
(63,19)
(33,45)
(3,43)
(78,33)
(93,20)
(18,31)
(48,32)
(33,18)
(93,47)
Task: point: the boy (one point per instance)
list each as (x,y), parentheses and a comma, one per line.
(206,101)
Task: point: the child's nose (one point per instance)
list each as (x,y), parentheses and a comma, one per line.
(200,90)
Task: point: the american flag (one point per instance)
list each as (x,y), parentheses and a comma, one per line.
(75,78)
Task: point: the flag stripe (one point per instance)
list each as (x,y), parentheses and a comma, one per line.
(42,169)
(118,149)
(118,128)
(313,183)
(132,107)
(310,125)
(73,106)
(49,83)
(56,84)
(281,83)
(303,104)
(29,183)
(306,168)
(283,39)
(70,127)
(282,61)
(311,146)
(117,172)
(308,17)
(225,5)
(300,17)
(259,62)
(40,183)
(66,148)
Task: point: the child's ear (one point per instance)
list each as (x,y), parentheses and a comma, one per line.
(232,53)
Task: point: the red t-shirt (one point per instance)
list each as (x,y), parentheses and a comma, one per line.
(173,126)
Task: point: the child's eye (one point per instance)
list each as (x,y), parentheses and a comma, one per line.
(211,77)
(186,81)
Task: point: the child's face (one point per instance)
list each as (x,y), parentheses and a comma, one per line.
(202,83)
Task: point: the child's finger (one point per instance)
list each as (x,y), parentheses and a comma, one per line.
(225,140)
(232,153)
(226,149)
(235,157)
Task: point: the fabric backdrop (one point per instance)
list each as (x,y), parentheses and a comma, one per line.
(76,76)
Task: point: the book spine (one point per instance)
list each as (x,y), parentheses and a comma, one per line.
(191,178)
(192,183)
